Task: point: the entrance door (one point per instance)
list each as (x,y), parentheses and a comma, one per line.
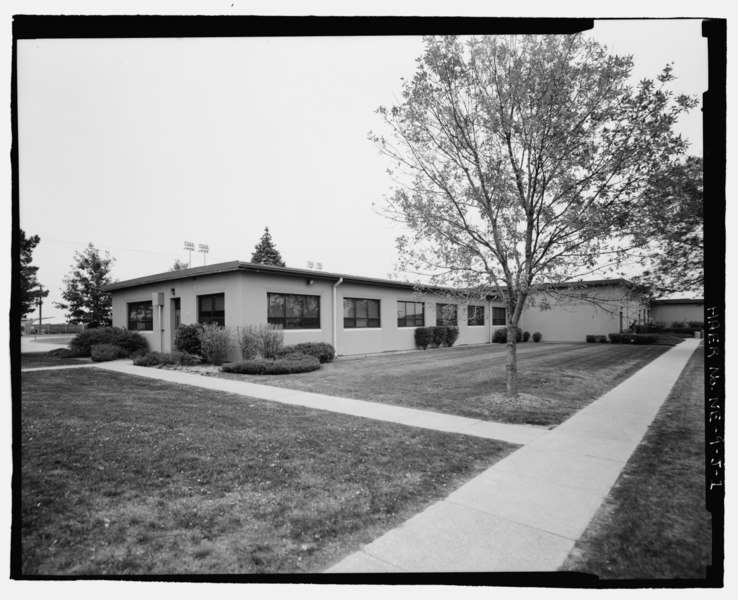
(176,320)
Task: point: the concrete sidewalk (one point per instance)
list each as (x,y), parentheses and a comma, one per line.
(526,512)
(516,434)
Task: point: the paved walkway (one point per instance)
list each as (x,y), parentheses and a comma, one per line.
(526,512)
(516,434)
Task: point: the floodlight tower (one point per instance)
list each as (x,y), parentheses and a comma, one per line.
(189,246)
(204,248)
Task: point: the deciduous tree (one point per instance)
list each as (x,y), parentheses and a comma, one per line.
(518,160)
(29,285)
(85,300)
(179,265)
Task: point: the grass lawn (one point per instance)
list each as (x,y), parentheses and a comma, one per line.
(33,360)
(556,380)
(653,524)
(125,475)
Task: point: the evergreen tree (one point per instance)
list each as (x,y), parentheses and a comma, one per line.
(265,252)
(85,300)
(28,282)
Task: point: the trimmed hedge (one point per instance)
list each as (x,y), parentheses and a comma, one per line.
(130,341)
(154,359)
(537,337)
(596,339)
(422,337)
(187,338)
(437,335)
(452,334)
(323,351)
(632,338)
(285,365)
(500,335)
(526,336)
(106,352)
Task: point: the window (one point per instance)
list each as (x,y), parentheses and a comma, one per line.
(446,315)
(410,314)
(211,309)
(498,315)
(475,315)
(141,316)
(294,312)
(360,312)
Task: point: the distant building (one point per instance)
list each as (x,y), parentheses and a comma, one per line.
(681,311)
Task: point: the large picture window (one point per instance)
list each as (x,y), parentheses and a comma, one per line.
(446,314)
(498,315)
(360,312)
(475,315)
(211,309)
(141,316)
(293,311)
(410,314)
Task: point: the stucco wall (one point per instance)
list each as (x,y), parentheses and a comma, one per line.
(246,304)
(669,313)
(572,319)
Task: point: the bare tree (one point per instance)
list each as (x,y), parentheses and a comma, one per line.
(518,160)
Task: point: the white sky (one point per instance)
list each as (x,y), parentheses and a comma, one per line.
(139,145)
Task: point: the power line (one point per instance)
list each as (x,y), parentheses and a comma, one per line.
(84,245)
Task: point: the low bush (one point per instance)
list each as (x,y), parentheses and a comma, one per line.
(596,339)
(271,339)
(63,353)
(452,334)
(500,335)
(154,359)
(187,338)
(696,324)
(249,341)
(632,338)
(422,337)
(215,342)
(323,351)
(526,336)
(537,336)
(106,352)
(437,335)
(130,341)
(290,363)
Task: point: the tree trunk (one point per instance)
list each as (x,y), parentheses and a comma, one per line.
(512,363)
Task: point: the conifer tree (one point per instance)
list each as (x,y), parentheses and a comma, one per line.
(265,253)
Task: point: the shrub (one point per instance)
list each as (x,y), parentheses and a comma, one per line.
(153,359)
(62,353)
(452,334)
(696,324)
(500,335)
(323,351)
(249,341)
(537,337)
(105,352)
(633,338)
(215,342)
(677,324)
(271,339)
(422,337)
(285,365)
(437,335)
(130,341)
(187,338)
(596,339)
(526,336)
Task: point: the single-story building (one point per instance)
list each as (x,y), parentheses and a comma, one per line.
(678,310)
(358,315)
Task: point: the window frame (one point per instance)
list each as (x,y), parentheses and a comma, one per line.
(415,314)
(147,304)
(470,320)
(211,318)
(284,320)
(495,320)
(368,319)
(440,321)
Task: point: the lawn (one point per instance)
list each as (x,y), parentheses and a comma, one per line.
(654,525)
(556,380)
(34,360)
(125,476)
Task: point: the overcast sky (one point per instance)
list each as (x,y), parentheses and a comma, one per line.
(139,145)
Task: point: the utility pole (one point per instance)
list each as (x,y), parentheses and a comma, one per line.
(40,302)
